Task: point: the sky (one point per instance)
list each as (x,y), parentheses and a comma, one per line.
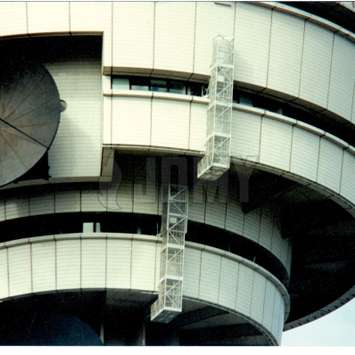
(335,329)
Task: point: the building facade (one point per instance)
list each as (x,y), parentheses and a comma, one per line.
(267,246)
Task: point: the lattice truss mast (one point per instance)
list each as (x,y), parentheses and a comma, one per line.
(219,113)
(213,165)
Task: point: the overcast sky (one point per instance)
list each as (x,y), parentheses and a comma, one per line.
(337,328)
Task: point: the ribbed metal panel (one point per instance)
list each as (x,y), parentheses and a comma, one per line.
(252,225)
(342,77)
(244,290)
(210,269)
(285,53)
(270,292)
(228,283)
(174,36)
(20,270)
(43,266)
(131,120)
(348,178)
(216,206)
(67,201)
(2,210)
(68,264)
(197,127)
(266,228)
(257,298)
(235,217)
(17,13)
(170,124)
(16,208)
(93,200)
(252,43)
(211,20)
(4,286)
(197,203)
(330,161)
(192,272)
(40,204)
(276,143)
(48,17)
(316,62)
(93,263)
(145,196)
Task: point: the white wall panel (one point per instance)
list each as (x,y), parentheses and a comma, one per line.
(120,198)
(131,120)
(197,203)
(145,197)
(93,200)
(210,273)
(285,53)
(266,228)
(4,286)
(252,43)
(68,264)
(342,77)
(170,123)
(174,36)
(16,208)
(192,272)
(143,264)
(198,126)
(133,24)
(67,201)
(245,135)
(316,62)
(215,207)
(48,17)
(41,204)
(211,20)
(348,178)
(90,16)
(43,266)
(20,269)
(12,18)
(107,120)
(76,150)
(257,298)
(276,143)
(305,147)
(330,161)
(270,291)
(118,263)
(244,289)
(93,263)
(235,217)
(228,283)
(2,210)
(252,225)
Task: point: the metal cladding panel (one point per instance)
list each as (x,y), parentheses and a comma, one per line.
(133,34)
(235,217)
(279,311)
(285,53)
(210,275)
(278,245)
(330,164)
(252,225)
(245,135)
(4,285)
(276,141)
(20,269)
(43,266)
(211,20)
(96,18)
(348,177)
(174,36)
(48,17)
(305,148)
(145,197)
(131,120)
(93,200)
(2,210)
(41,204)
(252,38)
(68,264)
(228,283)
(192,272)
(170,123)
(215,208)
(93,259)
(143,265)
(266,229)
(257,298)
(353,104)
(245,286)
(118,263)
(197,127)
(16,11)
(316,62)
(107,120)
(342,77)
(76,150)
(270,291)
(16,208)
(122,197)
(197,203)
(67,201)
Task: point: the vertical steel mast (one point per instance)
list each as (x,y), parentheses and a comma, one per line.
(219,112)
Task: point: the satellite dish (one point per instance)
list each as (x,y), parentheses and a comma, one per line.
(29,116)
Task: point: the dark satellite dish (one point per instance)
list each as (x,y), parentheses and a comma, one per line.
(29,116)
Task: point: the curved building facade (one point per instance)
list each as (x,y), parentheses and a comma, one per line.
(84,231)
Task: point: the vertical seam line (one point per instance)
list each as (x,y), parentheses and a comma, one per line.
(330,71)
(302,57)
